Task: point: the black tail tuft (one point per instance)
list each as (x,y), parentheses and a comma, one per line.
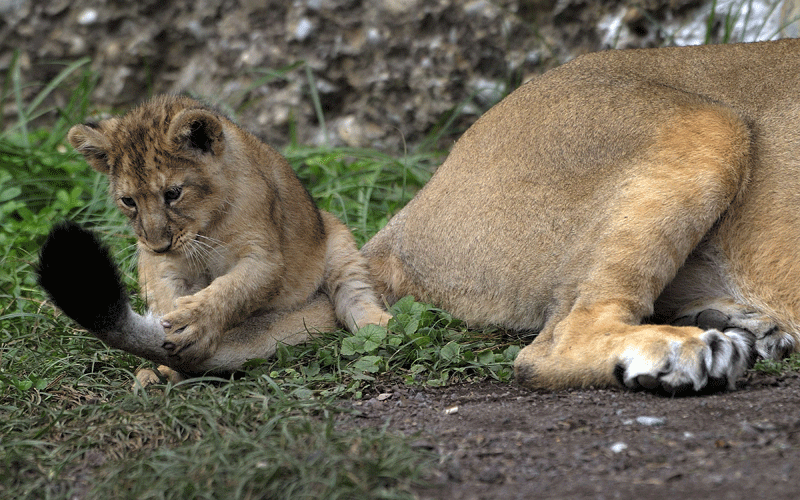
(77,271)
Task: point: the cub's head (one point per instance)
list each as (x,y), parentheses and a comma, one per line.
(164,161)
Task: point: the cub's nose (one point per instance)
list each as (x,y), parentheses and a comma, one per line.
(162,249)
(159,246)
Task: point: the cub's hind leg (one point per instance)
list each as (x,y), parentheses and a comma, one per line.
(348,281)
(258,337)
(676,191)
(150,376)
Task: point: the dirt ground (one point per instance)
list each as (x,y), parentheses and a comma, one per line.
(500,441)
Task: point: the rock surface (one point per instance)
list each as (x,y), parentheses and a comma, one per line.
(387,73)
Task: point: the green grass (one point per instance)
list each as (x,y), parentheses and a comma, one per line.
(70,426)
(204,439)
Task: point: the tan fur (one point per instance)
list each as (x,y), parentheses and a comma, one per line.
(233,255)
(610,197)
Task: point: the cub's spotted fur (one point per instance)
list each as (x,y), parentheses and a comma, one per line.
(234,257)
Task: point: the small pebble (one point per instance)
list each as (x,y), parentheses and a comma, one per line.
(619,447)
(650,421)
(88,16)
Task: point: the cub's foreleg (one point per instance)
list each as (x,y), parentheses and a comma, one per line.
(198,322)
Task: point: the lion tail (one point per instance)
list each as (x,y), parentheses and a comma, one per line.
(80,277)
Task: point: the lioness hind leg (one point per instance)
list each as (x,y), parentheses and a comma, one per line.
(675,192)
(724,313)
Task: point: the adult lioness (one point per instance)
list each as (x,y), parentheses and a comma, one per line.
(233,255)
(622,189)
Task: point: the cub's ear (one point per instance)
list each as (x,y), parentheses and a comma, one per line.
(90,141)
(197,130)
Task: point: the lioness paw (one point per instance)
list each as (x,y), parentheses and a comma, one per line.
(722,314)
(710,362)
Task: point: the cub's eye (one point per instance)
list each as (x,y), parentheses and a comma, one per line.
(172,194)
(128,201)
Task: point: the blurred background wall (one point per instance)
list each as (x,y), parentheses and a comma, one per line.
(388,74)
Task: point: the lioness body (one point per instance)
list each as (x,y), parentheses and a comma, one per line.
(621,186)
(234,257)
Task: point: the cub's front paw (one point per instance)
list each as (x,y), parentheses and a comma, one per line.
(191,334)
(709,362)
(189,343)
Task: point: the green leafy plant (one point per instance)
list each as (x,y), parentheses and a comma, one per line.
(778,367)
(422,346)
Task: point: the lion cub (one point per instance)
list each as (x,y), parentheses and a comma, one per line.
(234,257)
(638,209)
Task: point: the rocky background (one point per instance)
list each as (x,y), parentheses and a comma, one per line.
(387,73)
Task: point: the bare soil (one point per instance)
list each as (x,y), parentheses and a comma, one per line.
(500,441)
